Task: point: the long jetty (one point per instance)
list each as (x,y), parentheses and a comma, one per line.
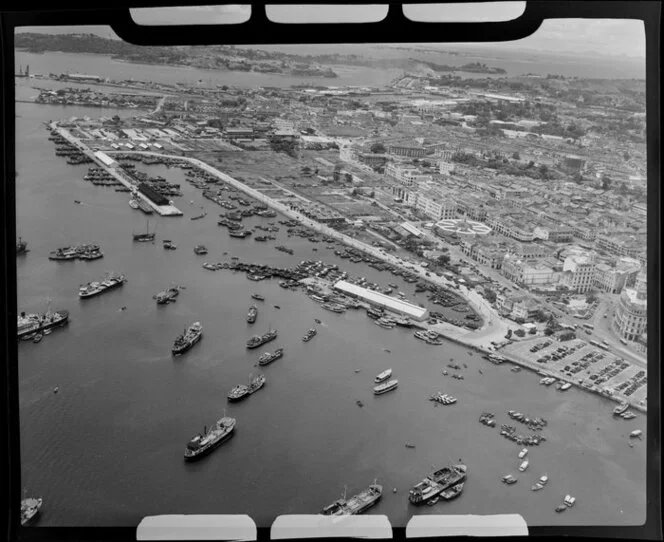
(163,210)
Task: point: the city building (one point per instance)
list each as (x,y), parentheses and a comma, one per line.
(578,273)
(432,203)
(631,316)
(445,168)
(612,279)
(528,273)
(403,308)
(406,175)
(408,151)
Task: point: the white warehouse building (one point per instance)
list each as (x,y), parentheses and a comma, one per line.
(402,308)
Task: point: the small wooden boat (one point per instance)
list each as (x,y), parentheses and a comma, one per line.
(38,338)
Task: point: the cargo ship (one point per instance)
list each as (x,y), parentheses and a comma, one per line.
(204,443)
(437,482)
(95,288)
(355,505)
(29,324)
(268,357)
(258,340)
(187,339)
(241,391)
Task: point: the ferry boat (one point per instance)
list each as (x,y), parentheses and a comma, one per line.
(523,453)
(241,391)
(29,324)
(92,289)
(452,492)
(258,340)
(309,335)
(437,482)
(569,501)
(384,323)
(251,315)
(187,339)
(144,237)
(204,443)
(540,483)
(355,505)
(30,509)
(523,466)
(385,387)
(200,249)
(258,297)
(268,357)
(383,376)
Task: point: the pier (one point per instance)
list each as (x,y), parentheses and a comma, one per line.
(98,158)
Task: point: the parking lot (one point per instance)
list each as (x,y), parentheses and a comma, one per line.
(581,363)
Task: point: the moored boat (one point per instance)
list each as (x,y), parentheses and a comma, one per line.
(437,482)
(509,479)
(94,288)
(452,492)
(540,483)
(523,466)
(622,407)
(200,249)
(258,297)
(31,324)
(356,504)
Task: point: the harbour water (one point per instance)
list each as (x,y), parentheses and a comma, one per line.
(106,450)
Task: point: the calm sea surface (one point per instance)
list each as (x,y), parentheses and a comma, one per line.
(107,449)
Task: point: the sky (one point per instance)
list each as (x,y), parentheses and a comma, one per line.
(600,37)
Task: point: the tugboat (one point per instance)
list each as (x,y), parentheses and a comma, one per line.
(166,296)
(29,324)
(169,245)
(385,387)
(29,510)
(92,289)
(200,249)
(383,376)
(509,479)
(241,391)
(144,237)
(309,335)
(188,339)
(355,505)
(437,482)
(21,247)
(267,357)
(251,315)
(259,340)
(257,297)
(209,440)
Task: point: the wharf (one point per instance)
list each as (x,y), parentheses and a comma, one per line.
(163,210)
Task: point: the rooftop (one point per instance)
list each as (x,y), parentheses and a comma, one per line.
(385,300)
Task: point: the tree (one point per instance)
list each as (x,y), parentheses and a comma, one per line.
(349,178)
(378,148)
(520,333)
(443,260)
(490,295)
(548,332)
(516,156)
(532,331)
(606,182)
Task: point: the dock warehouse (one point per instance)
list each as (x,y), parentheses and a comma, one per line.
(385,301)
(105,159)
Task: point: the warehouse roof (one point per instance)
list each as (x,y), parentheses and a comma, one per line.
(105,158)
(385,300)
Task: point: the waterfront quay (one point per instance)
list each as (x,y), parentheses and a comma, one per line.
(586,367)
(163,210)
